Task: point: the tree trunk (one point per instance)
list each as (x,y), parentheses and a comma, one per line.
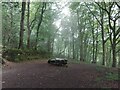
(11,25)
(114,56)
(96,47)
(102,33)
(80,37)
(22,26)
(39,23)
(28,25)
(73,45)
(114,46)
(49,45)
(93,36)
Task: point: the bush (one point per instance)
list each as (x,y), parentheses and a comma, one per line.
(17,55)
(12,54)
(112,76)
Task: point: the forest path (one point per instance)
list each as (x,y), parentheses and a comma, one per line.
(40,74)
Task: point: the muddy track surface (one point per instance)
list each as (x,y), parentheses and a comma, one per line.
(40,74)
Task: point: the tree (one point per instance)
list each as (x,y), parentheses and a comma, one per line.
(39,22)
(22,26)
(114,32)
(28,24)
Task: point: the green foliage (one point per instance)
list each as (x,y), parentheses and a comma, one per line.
(12,54)
(72,37)
(112,76)
(17,55)
(74,5)
(107,75)
(99,68)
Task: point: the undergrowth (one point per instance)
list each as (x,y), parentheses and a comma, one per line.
(18,55)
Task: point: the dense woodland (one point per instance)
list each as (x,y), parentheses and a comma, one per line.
(88,32)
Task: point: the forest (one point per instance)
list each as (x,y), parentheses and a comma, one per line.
(81,31)
(87,34)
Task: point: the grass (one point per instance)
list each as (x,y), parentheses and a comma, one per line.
(74,61)
(99,68)
(112,76)
(108,74)
(17,55)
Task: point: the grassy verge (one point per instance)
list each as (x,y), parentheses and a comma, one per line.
(108,74)
(16,55)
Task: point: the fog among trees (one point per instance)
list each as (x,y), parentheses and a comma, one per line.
(79,31)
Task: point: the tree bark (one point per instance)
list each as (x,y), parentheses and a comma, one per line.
(114,46)
(96,46)
(93,36)
(80,37)
(102,34)
(22,26)
(73,45)
(28,24)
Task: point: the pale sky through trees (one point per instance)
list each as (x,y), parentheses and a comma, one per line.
(65,12)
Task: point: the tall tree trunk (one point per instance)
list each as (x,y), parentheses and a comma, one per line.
(39,23)
(11,25)
(22,26)
(73,44)
(96,46)
(80,37)
(119,59)
(68,56)
(52,46)
(49,45)
(28,24)
(93,36)
(81,46)
(114,46)
(85,46)
(103,41)
(114,56)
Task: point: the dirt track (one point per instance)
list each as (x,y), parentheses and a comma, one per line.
(40,74)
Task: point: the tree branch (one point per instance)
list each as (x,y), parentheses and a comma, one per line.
(117,4)
(117,42)
(117,14)
(117,32)
(117,18)
(93,14)
(118,37)
(102,7)
(118,51)
(35,16)
(106,40)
